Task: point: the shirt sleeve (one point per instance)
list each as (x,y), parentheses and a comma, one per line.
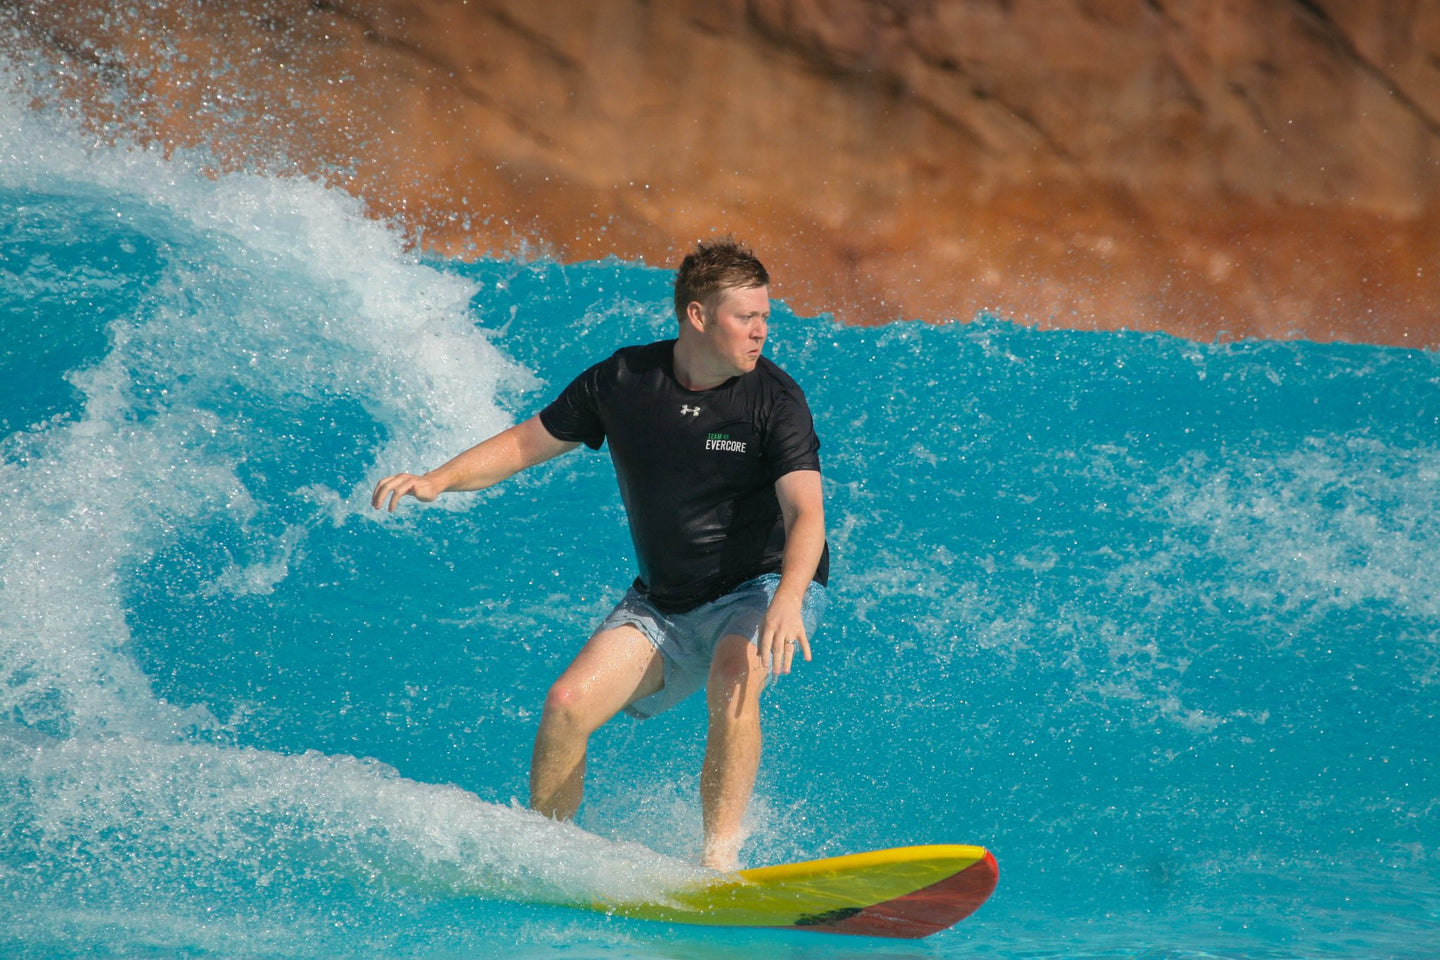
(574,416)
(791,443)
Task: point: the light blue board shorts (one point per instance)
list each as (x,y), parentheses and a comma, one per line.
(686,641)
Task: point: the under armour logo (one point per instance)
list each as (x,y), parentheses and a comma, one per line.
(692,411)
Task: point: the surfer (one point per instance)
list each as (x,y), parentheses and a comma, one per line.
(717,461)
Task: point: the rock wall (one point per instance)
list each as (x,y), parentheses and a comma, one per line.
(1248,168)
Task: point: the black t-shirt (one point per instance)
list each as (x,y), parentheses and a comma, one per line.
(697,469)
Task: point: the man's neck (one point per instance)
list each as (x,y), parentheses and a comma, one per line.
(690,369)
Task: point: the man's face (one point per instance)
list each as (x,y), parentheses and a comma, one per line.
(736,328)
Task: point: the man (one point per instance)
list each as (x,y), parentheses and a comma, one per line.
(716,458)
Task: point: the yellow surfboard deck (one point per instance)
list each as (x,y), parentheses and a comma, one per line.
(900,892)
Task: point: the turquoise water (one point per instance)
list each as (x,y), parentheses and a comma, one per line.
(1156,621)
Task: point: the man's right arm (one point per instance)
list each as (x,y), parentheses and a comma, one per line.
(483,465)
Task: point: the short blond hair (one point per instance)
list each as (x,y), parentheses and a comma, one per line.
(721,263)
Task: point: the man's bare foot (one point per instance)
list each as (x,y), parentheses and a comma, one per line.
(722,856)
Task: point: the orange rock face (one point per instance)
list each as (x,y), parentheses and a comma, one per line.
(1236,169)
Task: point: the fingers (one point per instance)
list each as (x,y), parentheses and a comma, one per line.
(392,489)
(385,488)
(803,643)
(779,645)
(799,642)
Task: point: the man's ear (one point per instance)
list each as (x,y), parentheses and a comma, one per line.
(695,315)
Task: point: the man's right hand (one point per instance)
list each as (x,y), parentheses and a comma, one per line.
(483,465)
(393,488)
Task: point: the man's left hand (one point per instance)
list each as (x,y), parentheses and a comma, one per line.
(781,634)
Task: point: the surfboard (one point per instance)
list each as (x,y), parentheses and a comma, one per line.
(908,892)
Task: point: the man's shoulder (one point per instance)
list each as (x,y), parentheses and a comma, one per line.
(641,358)
(647,352)
(768,375)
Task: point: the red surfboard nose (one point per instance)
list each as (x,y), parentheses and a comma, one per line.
(919,914)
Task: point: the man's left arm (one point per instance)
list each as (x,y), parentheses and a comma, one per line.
(802,504)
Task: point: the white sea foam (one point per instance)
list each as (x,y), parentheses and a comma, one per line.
(134,812)
(1334,524)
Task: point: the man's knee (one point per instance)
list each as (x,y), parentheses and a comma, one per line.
(735,658)
(736,673)
(566,705)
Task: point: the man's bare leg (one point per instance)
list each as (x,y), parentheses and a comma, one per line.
(732,749)
(614,668)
